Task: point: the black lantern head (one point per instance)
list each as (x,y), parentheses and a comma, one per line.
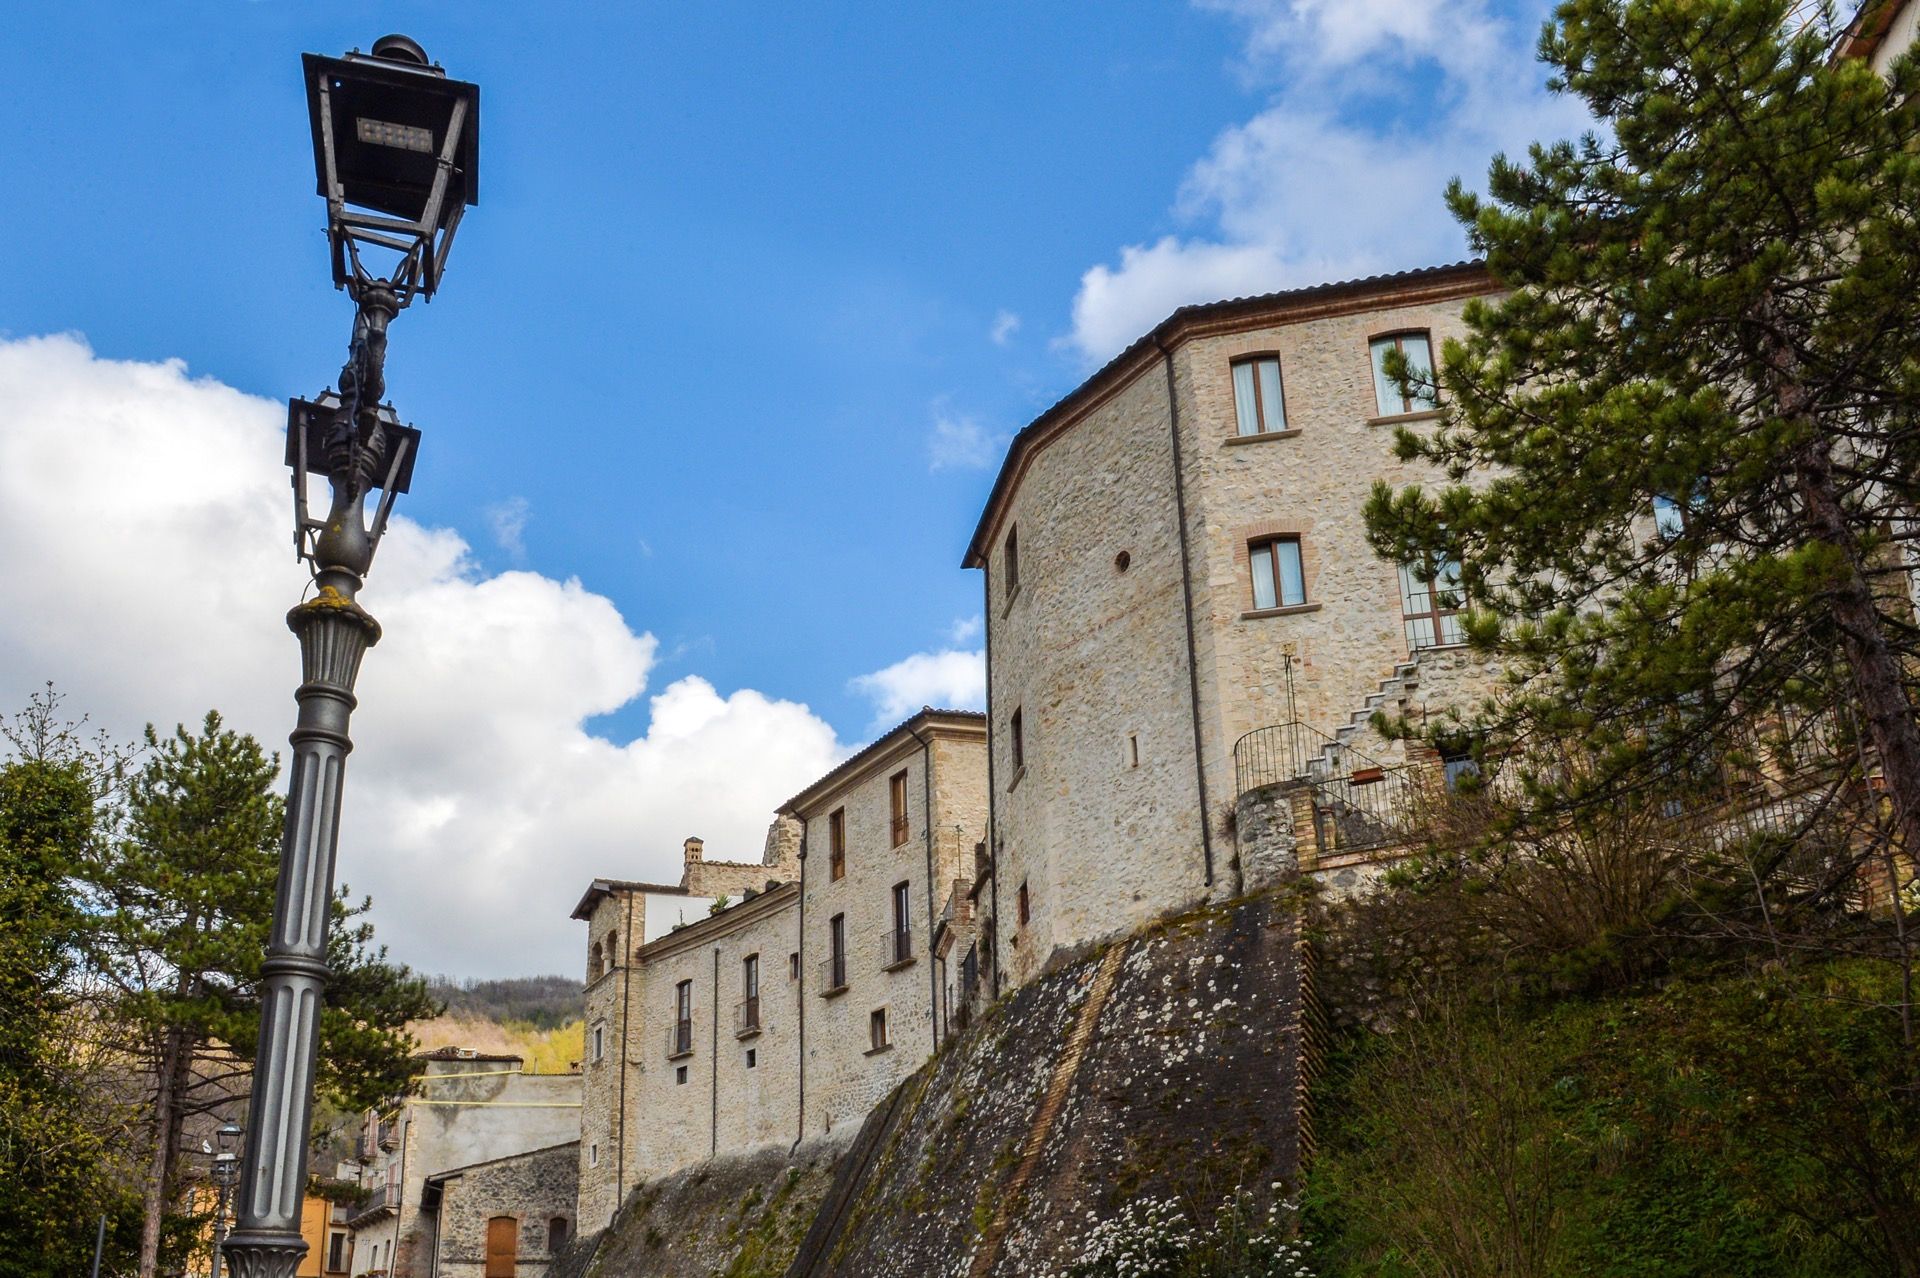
(396,151)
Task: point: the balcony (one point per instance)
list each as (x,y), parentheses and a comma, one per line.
(746,1017)
(679,1040)
(383,1197)
(896,950)
(833,976)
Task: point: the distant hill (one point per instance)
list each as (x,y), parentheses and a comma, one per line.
(541,1002)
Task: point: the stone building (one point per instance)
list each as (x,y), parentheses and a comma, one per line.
(472,1107)
(1175,564)
(505,1217)
(758,1004)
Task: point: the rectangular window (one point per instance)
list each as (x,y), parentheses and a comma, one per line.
(1257,403)
(683,1017)
(793,966)
(1133,749)
(1456,764)
(680,1076)
(900,941)
(1017,741)
(593,1154)
(1013,560)
(750,976)
(897,801)
(599,1041)
(753,1058)
(877,1029)
(837,844)
(336,1253)
(1278,581)
(1386,393)
(1432,609)
(1026,905)
(837,952)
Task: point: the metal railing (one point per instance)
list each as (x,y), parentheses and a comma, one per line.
(896,948)
(746,1017)
(833,974)
(1277,753)
(680,1039)
(1370,807)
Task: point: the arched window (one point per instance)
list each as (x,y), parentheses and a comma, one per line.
(503,1246)
(556,1234)
(593,962)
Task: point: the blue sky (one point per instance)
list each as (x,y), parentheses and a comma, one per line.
(731,265)
(715,387)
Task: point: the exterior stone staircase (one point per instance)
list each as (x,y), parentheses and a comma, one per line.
(1338,755)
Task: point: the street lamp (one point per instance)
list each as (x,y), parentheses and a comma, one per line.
(226,1170)
(396,154)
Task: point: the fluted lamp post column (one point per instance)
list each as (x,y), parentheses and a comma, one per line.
(396,152)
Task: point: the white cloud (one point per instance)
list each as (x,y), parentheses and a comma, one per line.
(1376,104)
(959,441)
(148,570)
(967,629)
(950,679)
(508,520)
(1005,325)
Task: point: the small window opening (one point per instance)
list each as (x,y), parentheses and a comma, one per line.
(1122,561)
(679,1075)
(753,1058)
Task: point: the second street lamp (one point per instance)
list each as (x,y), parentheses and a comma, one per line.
(396,154)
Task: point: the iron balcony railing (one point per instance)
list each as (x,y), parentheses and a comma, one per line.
(382,1196)
(896,949)
(746,1017)
(1370,807)
(679,1039)
(1280,752)
(833,974)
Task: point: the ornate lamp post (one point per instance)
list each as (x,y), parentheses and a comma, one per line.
(226,1170)
(396,151)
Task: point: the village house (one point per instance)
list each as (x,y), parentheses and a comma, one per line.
(471,1108)
(758,1004)
(1182,604)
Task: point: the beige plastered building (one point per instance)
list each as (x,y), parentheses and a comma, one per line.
(470,1107)
(762,1003)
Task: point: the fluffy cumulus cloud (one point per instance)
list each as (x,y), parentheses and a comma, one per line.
(1374,105)
(149,567)
(950,679)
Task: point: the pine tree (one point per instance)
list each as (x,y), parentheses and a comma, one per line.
(189,893)
(1681,456)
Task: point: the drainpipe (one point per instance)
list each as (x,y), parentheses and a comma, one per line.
(800,985)
(1186,586)
(926,812)
(713,1002)
(626,1015)
(993,791)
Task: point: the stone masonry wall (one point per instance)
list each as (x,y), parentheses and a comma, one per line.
(535,1189)
(1101,826)
(1313,484)
(681,1108)
(845,1075)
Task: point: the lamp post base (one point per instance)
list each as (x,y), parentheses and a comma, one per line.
(264,1253)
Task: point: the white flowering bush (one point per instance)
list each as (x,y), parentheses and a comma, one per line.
(1159,1238)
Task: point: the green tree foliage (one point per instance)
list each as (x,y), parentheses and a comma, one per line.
(1751,1124)
(57,1155)
(176,895)
(1711,309)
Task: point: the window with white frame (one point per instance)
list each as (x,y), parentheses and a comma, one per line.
(1278,581)
(1432,608)
(1258,405)
(599,1042)
(1386,391)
